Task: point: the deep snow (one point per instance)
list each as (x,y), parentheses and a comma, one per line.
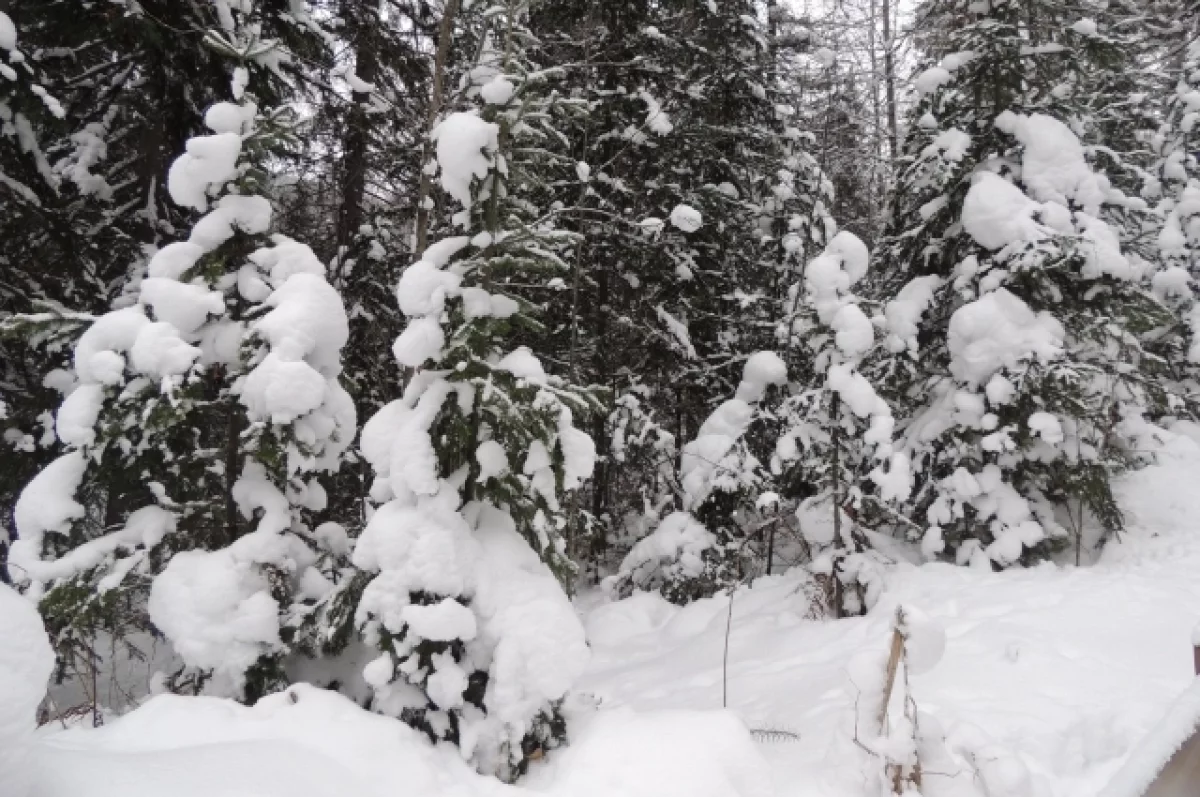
(1050,678)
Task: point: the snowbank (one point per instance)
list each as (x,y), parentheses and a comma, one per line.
(308,742)
(26,662)
(1051,677)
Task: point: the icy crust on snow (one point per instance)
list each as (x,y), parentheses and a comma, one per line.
(26,663)
(283,747)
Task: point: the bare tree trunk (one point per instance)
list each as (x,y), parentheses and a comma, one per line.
(361,22)
(445,35)
(889,78)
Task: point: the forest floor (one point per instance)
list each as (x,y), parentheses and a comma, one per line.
(1049,678)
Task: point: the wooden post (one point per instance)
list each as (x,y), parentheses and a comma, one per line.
(1196,650)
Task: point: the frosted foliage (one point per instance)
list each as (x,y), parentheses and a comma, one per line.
(523,364)
(854,389)
(307,321)
(234,212)
(465,144)
(174,259)
(497,91)
(904,313)
(998,331)
(578,451)
(8,33)
(829,276)
(686,218)
(305,331)
(443,621)
(1052,163)
(762,369)
(540,649)
(115,331)
(854,331)
(424,547)
(76,417)
(182,305)
(706,459)
(158,351)
(253,491)
(144,528)
(853,252)
(678,542)
(228,117)
(284,258)
(492,459)
(421,340)
(932,79)
(996,213)
(47,504)
(216,609)
(26,663)
(424,288)
(511,609)
(656,118)
(209,161)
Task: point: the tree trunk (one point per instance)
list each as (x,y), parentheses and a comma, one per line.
(361,23)
(445,35)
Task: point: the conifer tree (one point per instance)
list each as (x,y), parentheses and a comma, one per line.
(1015,320)
(199,412)
(835,432)
(474,465)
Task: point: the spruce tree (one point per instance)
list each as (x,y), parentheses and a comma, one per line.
(1016,322)
(200,411)
(475,464)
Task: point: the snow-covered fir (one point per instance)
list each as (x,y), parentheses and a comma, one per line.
(709,398)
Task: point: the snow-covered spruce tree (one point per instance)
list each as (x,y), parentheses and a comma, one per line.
(24,400)
(1175,187)
(700,549)
(478,642)
(683,111)
(1015,321)
(198,418)
(122,88)
(835,435)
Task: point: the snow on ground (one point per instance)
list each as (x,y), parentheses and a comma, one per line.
(1051,677)
(1059,671)
(308,742)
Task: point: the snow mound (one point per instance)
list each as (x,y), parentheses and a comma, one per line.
(308,742)
(26,662)
(694,753)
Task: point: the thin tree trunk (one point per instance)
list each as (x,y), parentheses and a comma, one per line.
(445,36)
(889,78)
(358,131)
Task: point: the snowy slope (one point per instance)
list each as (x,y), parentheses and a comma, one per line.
(1053,673)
